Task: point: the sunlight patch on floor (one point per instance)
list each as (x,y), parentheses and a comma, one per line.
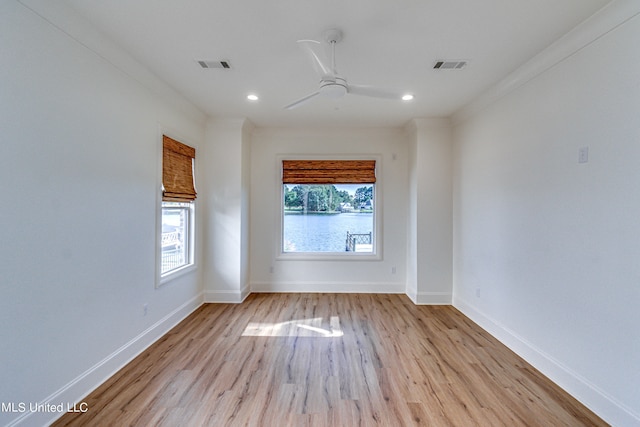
(295,328)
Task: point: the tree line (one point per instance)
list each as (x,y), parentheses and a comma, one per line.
(325,198)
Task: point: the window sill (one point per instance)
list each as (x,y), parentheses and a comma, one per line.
(328,256)
(175,274)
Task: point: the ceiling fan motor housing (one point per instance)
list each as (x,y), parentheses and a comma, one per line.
(333,88)
(332,35)
(331,84)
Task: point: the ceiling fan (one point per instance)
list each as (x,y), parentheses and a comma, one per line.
(332,85)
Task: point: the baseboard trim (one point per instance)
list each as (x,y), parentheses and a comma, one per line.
(600,402)
(80,387)
(329,287)
(226,297)
(430,298)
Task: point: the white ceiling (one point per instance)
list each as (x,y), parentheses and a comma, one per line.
(392,44)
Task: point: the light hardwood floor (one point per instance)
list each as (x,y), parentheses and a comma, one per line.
(329,360)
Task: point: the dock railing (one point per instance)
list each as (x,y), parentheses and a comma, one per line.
(356,239)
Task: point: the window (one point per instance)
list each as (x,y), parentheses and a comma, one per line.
(176,236)
(178,196)
(328,206)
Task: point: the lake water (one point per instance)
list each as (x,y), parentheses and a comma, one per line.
(323,232)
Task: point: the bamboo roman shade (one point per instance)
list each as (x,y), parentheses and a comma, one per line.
(177,171)
(328,171)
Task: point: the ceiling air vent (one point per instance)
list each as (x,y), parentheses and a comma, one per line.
(214,64)
(449,65)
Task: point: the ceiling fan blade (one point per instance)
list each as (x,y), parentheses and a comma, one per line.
(301,101)
(372,91)
(313,50)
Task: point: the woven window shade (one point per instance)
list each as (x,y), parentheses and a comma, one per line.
(328,171)
(177,171)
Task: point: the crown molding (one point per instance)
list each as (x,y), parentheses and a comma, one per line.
(606,20)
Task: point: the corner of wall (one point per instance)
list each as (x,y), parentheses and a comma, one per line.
(226,190)
(430,230)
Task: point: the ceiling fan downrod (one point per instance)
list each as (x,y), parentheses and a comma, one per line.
(333,36)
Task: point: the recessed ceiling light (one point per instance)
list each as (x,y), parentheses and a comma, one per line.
(252,97)
(407,97)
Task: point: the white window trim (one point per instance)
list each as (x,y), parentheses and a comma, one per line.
(376,255)
(164,279)
(187,268)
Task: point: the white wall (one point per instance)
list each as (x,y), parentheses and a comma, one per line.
(79,169)
(546,249)
(429,234)
(225,184)
(268,147)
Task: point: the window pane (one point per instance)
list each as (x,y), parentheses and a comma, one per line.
(175,236)
(328,218)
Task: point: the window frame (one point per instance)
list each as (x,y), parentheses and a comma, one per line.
(377,237)
(190,235)
(165,278)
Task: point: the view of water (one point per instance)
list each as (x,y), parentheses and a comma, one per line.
(323,232)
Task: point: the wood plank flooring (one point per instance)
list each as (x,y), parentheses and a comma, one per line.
(329,360)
